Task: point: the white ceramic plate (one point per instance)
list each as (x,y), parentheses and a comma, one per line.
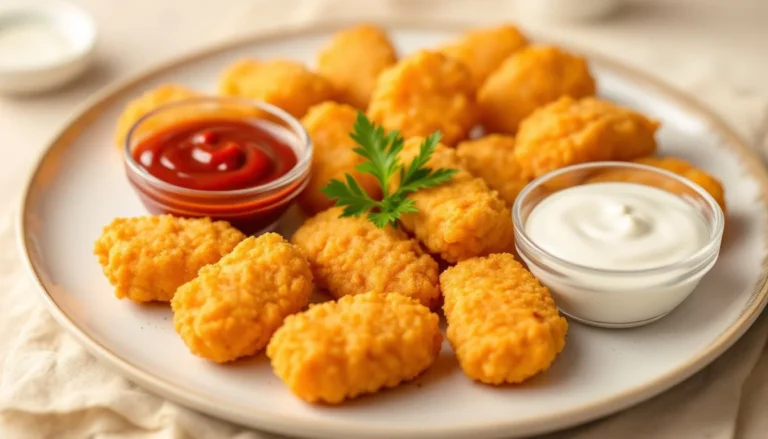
(79,186)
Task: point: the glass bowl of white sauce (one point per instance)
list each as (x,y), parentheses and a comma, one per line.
(618,244)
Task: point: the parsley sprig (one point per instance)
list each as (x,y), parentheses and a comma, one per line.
(380,150)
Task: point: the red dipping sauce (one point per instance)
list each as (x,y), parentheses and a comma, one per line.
(215,155)
(224,158)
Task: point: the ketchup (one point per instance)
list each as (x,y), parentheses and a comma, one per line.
(215,155)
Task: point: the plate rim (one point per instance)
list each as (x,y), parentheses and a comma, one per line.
(90,108)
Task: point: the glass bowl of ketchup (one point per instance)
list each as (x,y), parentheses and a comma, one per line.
(225,158)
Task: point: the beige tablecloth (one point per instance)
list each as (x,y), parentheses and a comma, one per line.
(51,388)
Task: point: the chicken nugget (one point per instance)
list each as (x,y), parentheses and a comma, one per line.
(568,132)
(360,344)
(687,170)
(461,218)
(492,158)
(232,308)
(147,258)
(424,93)
(283,83)
(483,50)
(352,61)
(329,125)
(352,256)
(502,323)
(532,77)
(150,100)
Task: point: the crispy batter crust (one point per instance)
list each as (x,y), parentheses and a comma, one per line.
(147,258)
(532,77)
(360,344)
(352,256)
(353,60)
(492,158)
(459,219)
(568,132)
(687,170)
(502,324)
(483,50)
(424,93)
(283,83)
(234,306)
(329,125)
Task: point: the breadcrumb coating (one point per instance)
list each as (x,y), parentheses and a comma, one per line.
(424,93)
(483,50)
(358,345)
(147,258)
(568,132)
(234,306)
(492,158)
(283,83)
(352,256)
(150,100)
(530,78)
(687,170)
(502,323)
(460,219)
(329,125)
(352,61)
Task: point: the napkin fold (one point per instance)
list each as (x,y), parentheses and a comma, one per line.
(50,387)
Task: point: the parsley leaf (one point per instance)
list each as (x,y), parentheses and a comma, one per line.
(380,150)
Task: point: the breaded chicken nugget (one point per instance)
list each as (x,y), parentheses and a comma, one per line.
(569,132)
(360,344)
(352,256)
(148,258)
(492,158)
(329,125)
(232,308)
(483,50)
(352,61)
(687,170)
(150,100)
(502,324)
(424,93)
(459,219)
(532,77)
(283,83)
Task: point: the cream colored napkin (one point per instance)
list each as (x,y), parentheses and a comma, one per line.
(51,388)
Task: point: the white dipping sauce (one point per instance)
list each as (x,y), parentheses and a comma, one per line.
(32,43)
(617,226)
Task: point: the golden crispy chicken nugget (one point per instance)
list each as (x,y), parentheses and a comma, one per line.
(568,132)
(460,219)
(232,308)
(687,170)
(424,93)
(283,83)
(353,59)
(532,77)
(483,50)
(502,324)
(150,100)
(360,344)
(352,256)
(329,125)
(148,258)
(492,158)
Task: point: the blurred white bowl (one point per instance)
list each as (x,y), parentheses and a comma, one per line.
(33,67)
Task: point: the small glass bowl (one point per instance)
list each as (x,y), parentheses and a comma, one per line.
(252,210)
(617,298)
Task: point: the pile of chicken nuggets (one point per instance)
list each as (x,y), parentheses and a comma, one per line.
(508,111)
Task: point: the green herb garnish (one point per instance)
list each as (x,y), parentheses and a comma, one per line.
(380,149)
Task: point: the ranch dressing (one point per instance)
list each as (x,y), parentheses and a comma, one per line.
(32,43)
(617,226)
